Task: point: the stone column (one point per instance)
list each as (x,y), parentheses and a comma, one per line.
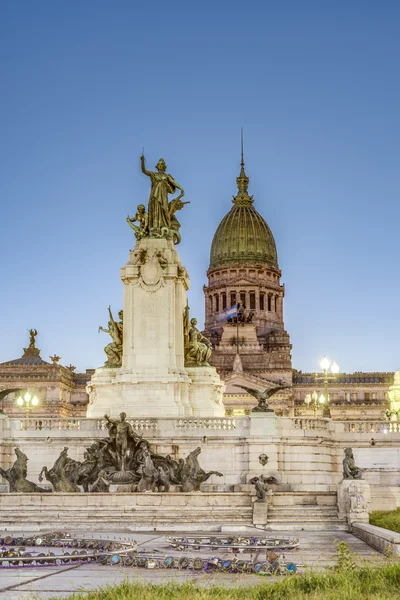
(247,300)
(280,307)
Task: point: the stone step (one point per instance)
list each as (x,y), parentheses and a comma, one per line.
(297,512)
(304,519)
(331,525)
(126,512)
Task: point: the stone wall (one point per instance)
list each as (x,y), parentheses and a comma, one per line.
(306,453)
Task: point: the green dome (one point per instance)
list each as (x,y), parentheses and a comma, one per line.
(243,235)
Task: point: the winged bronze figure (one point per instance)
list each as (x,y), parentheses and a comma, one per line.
(4,393)
(264,396)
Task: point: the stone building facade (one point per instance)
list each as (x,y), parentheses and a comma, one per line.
(61,392)
(244,268)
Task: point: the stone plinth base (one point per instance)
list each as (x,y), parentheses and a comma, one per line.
(196,393)
(354,499)
(141,400)
(264,424)
(260,512)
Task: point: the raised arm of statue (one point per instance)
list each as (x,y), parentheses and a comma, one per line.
(112,421)
(144,170)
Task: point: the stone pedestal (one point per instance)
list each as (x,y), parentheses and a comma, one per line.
(205,392)
(260,513)
(263,455)
(264,424)
(153,381)
(354,499)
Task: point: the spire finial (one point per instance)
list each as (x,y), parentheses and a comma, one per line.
(242,162)
(242,181)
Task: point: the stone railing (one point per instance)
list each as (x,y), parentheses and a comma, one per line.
(50,424)
(213,424)
(309,424)
(371,426)
(137,424)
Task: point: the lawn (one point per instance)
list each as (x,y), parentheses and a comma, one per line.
(346,581)
(389,519)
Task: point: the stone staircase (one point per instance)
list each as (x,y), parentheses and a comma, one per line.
(125,512)
(296,511)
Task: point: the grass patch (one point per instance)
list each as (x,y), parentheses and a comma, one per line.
(360,583)
(388,519)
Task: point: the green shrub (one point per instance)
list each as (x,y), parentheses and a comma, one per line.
(388,519)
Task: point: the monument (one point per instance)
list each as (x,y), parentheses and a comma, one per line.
(157,362)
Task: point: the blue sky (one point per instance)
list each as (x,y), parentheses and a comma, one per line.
(85,85)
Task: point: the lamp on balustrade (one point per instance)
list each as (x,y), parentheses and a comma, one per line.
(315,401)
(28,402)
(326,366)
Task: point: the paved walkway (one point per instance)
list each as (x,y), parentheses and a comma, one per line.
(316,550)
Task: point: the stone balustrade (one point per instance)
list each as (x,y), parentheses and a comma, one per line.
(310,424)
(137,424)
(227,425)
(371,426)
(95,427)
(209,424)
(47,424)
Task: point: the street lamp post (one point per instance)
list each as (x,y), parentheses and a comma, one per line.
(325,378)
(29,402)
(315,400)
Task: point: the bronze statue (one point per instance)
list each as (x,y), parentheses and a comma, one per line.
(16,476)
(148,472)
(142,217)
(85,473)
(122,458)
(161,220)
(122,432)
(197,347)
(57,475)
(262,486)
(32,334)
(161,482)
(115,348)
(262,397)
(350,471)
(193,475)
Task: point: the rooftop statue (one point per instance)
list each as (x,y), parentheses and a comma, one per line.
(114,349)
(32,335)
(162,221)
